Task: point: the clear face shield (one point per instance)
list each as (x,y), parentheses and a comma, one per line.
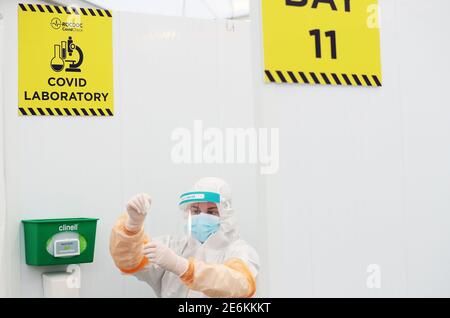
(201,214)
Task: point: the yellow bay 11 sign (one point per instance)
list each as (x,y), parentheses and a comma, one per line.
(65,61)
(329,42)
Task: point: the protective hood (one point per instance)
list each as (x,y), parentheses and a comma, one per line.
(218,191)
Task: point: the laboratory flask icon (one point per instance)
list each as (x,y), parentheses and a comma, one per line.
(57,63)
(65,52)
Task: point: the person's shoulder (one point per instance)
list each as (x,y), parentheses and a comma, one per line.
(242,250)
(240,245)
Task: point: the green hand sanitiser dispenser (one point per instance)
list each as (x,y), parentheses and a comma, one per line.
(59,241)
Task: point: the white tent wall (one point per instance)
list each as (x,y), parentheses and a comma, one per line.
(204,9)
(3,220)
(69,167)
(364,173)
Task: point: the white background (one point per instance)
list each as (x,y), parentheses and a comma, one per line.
(205,9)
(365,173)
(70,167)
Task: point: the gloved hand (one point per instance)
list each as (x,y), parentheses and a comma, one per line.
(161,255)
(137,209)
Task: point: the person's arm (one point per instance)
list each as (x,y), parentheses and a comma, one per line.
(236,278)
(126,247)
(128,238)
(230,280)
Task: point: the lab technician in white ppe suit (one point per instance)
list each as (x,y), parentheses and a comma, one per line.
(209,261)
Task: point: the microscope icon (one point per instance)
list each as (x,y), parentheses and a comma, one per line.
(64,53)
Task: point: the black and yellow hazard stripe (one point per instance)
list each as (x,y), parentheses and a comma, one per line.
(65,10)
(300,77)
(64,111)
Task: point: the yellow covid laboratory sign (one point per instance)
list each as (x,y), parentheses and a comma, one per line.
(65,61)
(329,42)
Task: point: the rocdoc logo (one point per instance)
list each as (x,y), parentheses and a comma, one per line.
(56,23)
(73,23)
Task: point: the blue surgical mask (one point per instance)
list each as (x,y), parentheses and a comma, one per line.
(204,225)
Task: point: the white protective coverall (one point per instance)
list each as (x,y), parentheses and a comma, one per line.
(223,266)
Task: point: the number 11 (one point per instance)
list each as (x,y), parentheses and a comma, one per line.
(330,34)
